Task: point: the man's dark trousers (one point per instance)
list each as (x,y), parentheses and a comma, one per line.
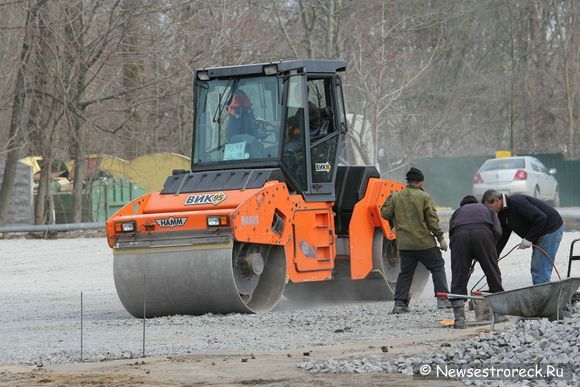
(431,259)
(467,245)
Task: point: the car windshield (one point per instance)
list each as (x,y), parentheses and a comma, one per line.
(237,119)
(495,164)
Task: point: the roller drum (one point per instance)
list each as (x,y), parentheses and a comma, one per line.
(378,286)
(193,280)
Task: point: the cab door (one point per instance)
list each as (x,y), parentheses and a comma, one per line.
(325,122)
(295,156)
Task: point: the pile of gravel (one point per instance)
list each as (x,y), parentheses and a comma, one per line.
(527,342)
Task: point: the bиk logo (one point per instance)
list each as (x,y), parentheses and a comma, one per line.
(214,198)
(322,167)
(171,222)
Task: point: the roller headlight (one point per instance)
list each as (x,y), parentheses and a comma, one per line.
(125,227)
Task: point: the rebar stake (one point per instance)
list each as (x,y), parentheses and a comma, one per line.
(81,326)
(144,309)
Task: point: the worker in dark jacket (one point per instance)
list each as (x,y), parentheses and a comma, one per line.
(474,230)
(533,220)
(418,229)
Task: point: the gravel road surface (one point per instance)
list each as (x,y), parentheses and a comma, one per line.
(41,282)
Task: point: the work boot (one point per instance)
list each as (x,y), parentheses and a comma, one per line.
(470,305)
(458,314)
(400,307)
(443,303)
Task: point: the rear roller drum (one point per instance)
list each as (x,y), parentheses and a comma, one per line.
(378,286)
(390,266)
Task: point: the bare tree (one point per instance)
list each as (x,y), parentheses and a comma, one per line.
(381,74)
(15,131)
(76,64)
(565,15)
(132,74)
(42,110)
(454,77)
(314,28)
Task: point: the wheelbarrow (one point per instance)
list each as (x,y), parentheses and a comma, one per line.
(544,300)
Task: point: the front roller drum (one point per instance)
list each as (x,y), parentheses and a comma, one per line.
(198,279)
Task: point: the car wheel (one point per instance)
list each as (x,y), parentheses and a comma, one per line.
(556,200)
(537,192)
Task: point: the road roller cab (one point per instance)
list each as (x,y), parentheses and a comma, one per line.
(265,208)
(287,115)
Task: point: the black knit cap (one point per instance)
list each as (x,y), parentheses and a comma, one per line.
(415,175)
(469,199)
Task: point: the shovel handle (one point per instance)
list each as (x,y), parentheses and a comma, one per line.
(451,295)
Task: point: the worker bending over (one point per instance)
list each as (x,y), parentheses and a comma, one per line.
(417,225)
(533,220)
(474,230)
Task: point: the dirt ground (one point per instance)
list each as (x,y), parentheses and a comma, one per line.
(40,283)
(235,368)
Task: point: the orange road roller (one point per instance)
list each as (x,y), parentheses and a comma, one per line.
(266,210)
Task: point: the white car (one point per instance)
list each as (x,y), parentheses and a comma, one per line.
(511,175)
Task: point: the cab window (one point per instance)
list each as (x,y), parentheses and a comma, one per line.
(294,143)
(237,119)
(323,137)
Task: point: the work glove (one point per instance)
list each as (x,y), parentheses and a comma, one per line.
(442,245)
(525,244)
(328,112)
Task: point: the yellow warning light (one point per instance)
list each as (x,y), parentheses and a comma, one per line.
(502,153)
